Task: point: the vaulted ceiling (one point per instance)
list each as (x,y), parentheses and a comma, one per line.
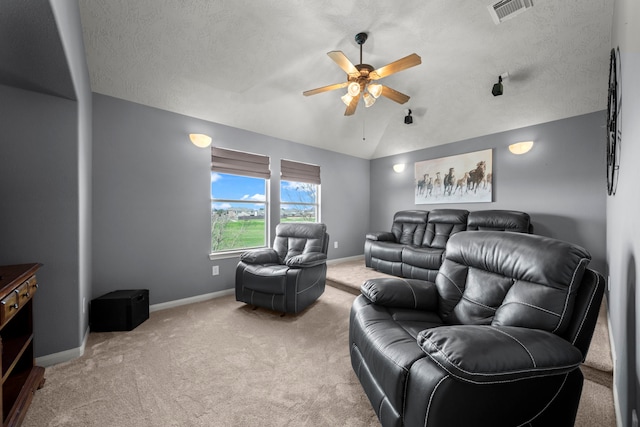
(245,63)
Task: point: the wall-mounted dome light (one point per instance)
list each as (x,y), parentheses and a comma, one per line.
(521,147)
(398,167)
(200,140)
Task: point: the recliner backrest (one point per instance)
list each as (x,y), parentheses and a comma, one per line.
(293,239)
(441,224)
(408,226)
(499,220)
(510,279)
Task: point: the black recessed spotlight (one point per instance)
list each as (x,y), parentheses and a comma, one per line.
(497,88)
(408,119)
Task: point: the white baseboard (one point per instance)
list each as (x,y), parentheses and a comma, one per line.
(74,353)
(616,399)
(349,258)
(63,356)
(190,300)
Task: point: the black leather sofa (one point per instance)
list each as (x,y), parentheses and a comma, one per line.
(415,245)
(496,340)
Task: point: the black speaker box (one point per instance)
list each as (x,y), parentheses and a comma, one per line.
(119,310)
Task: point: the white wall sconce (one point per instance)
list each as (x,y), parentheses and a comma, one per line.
(398,167)
(521,147)
(200,140)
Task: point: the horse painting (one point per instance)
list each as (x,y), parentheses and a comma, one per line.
(462,178)
(476,176)
(449,180)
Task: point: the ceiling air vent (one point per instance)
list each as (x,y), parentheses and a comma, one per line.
(507,9)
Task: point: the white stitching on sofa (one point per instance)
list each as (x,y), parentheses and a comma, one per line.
(566,300)
(518,341)
(415,298)
(548,404)
(466,298)
(532,306)
(451,281)
(426,415)
(384,353)
(549,374)
(444,356)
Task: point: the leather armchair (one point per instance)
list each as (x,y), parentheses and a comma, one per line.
(496,340)
(289,276)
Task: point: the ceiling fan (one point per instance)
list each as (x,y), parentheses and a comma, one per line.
(361,79)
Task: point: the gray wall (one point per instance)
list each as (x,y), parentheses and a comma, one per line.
(39,207)
(560,182)
(45,166)
(623,230)
(151,205)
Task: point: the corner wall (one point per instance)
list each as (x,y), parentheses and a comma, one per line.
(623,230)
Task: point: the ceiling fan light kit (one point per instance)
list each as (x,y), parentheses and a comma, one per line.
(361,78)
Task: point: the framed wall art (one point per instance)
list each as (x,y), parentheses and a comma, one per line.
(465,178)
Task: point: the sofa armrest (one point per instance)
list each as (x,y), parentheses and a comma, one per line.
(490,354)
(310,259)
(382,236)
(260,256)
(401,293)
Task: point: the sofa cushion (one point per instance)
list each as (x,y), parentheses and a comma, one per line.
(387,251)
(271,279)
(441,224)
(430,258)
(499,220)
(401,293)
(408,226)
(293,239)
(509,279)
(487,354)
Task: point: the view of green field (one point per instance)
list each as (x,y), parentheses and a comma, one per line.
(238,234)
(247,233)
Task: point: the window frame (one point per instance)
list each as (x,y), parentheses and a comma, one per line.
(292,171)
(315,204)
(241,164)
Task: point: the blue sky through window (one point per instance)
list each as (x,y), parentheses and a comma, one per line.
(235,187)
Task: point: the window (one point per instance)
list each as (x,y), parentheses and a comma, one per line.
(299,192)
(239,203)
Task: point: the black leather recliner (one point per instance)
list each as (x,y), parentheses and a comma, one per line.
(496,340)
(291,275)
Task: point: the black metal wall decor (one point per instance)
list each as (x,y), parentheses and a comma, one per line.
(613,122)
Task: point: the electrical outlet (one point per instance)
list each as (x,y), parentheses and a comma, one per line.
(215,270)
(84,305)
(335,245)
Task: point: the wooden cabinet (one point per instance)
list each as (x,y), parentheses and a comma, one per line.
(20,377)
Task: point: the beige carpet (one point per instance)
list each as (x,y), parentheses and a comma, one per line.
(596,404)
(219,363)
(214,363)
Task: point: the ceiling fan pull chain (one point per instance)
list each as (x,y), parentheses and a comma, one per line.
(363,137)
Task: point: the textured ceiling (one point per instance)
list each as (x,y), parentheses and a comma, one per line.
(245,63)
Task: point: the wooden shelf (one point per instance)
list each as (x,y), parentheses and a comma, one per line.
(20,377)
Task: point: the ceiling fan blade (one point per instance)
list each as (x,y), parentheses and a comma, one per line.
(394,95)
(324,89)
(351,108)
(344,63)
(396,66)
